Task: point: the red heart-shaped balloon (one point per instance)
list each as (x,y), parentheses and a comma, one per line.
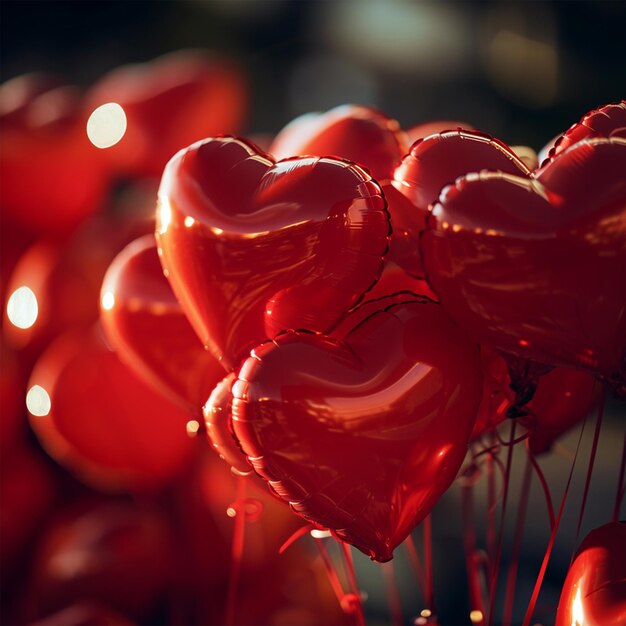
(252,247)
(93,415)
(594,592)
(147,328)
(433,163)
(357,133)
(607,121)
(362,434)
(537,267)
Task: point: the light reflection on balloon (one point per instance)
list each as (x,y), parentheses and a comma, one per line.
(106,126)
(38,401)
(22,308)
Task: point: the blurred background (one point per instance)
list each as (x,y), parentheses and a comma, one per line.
(521,71)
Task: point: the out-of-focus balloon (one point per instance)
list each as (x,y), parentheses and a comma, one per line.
(363,433)
(252,248)
(95,417)
(359,134)
(563,398)
(537,267)
(147,328)
(433,163)
(421,131)
(28,491)
(169,103)
(607,121)
(51,176)
(56,284)
(594,592)
(84,614)
(115,553)
(217,419)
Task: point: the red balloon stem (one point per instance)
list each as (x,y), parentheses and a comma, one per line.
(491,511)
(416,565)
(592,458)
(354,588)
(493,583)
(427,530)
(517,544)
(546,558)
(544,484)
(471,554)
(619,494)
(239,532)
(333,576)
(393,593)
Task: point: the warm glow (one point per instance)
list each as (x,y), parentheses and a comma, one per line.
(231,511)
(22,308)
(106,125)
(578,615)
(164,215)
(193,426)
(189,221)
(476,616)
(108,300)
(38,401)
(320,534)
(425,613)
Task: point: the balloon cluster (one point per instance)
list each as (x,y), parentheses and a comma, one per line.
(343,312)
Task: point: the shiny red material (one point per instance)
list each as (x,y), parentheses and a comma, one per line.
(147,328)
(394,279)
(219,431)
(363,433)
(169,103)
(251,247)
(359,134)
(594,592)
(51,176)
(607,121)
(103,422)
(84,614)
(564,397)
(433,163)
(537,266)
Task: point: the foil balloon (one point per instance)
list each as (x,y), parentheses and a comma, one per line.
(169,103)
(96,418)
(252,247)
(607,121)
(433,163)
(594,592)
(536,267)
(359,134)
(564,397)
(217,412)
(361,433)
(147,328)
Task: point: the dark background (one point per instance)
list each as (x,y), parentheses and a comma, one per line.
(520,70)
(523,71)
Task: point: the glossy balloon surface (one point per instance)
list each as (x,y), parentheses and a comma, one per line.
(217,411)
(564,397)
(363,433)
(359,134)
(537,267)
(169,103)
(147,328)
(594,592)
(252,248)
(607,121)
(433,163)
(101,421)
